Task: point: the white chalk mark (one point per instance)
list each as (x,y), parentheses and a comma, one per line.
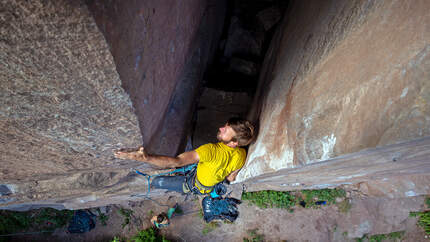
(404,92)
(328,144)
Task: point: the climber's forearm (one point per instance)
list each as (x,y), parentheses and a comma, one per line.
(186,158)
(183,159)
(162,161)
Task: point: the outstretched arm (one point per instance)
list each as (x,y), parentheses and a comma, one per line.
(183,159)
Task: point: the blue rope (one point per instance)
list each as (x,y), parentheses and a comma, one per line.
(148,177)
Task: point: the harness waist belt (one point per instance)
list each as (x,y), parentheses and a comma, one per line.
(201,186)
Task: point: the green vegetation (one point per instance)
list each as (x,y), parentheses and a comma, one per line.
(149,234)
(209,227)
(116,239)
(394,236)
(423,220)
(126,213)
(200,213)
(103,217)
(11,222)
(287,200)
(270,199)
(328,195)
(49,217)
(423,217)
(44,219)
(253,236)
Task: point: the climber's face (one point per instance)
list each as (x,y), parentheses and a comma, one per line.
(226,134)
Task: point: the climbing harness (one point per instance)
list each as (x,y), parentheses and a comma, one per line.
(192,185)
(182,170)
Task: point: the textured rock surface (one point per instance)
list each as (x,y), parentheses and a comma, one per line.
(161,49)
(395,171)
(347,76)
(367,216)
(62,109)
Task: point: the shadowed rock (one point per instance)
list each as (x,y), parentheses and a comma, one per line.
(161,50)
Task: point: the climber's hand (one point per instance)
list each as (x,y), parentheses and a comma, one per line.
(132,154)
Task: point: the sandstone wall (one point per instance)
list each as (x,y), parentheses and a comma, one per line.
(348,75)
(161,49)
(397,170)
(62,108)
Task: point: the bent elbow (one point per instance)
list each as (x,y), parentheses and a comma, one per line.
(179,162)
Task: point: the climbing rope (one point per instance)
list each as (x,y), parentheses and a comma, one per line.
(178,170)
(183,170)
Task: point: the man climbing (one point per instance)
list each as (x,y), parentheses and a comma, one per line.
(215,162)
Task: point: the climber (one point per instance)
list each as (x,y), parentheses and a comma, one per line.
(215,162)
(162,220)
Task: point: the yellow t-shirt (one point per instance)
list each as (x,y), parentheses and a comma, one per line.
(217,161)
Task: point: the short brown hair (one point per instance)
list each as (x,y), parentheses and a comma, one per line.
(244,131)
(161,217)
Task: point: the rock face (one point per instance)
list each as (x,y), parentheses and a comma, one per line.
(398,170)
(62,107)
(161,49)
(341,77)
